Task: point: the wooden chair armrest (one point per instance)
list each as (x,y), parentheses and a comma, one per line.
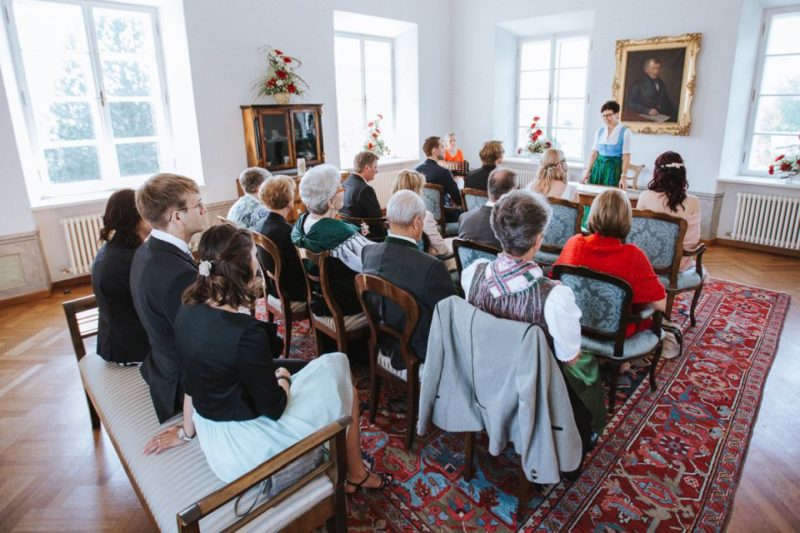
(190,517)
(697,252)
(79,305)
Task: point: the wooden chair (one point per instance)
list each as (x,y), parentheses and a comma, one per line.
(433,196)
(380,366)
(606,311)
(457,168)
(376,227)
(632,176)
(467,252)
(82,320)
(473,198)
(282,307)
(339,327)
(565,222)
(660,236)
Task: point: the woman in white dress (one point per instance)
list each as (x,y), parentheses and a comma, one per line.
(552,179)
(244,408)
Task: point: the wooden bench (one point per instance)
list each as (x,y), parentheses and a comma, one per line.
(177,489)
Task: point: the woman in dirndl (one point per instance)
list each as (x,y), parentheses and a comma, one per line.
(611,153)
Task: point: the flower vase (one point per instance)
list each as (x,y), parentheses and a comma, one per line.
(281,98)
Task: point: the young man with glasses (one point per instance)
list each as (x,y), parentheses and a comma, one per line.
(162,268)
(611,153)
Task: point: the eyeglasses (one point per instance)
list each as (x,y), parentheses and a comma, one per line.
(199,204)
(607,115)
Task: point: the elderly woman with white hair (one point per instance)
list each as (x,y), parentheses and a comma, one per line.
(399,261)
(248,212)
(513,287)
(318,231)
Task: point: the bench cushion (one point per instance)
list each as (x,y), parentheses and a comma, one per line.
(177,478)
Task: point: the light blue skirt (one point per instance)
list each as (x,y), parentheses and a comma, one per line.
(322,392)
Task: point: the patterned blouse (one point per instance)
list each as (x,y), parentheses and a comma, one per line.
(248,212)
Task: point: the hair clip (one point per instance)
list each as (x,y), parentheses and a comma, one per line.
(204,268)
(673,165)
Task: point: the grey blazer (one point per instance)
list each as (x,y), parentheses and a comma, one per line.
(474,226)
(486,373)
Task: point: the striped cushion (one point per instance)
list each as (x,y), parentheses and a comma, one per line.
(351,322)
(173,480)
(385,362)
(275,303)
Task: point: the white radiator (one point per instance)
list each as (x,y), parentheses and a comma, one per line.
(767,220)
(383,185)
(82,234)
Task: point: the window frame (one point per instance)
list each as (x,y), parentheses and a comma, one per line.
(364,117)
(747,145)
(548,131)
(39,184)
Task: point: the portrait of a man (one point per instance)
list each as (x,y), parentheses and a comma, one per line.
(655,82)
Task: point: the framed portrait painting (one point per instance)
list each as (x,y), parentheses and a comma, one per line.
(655,81)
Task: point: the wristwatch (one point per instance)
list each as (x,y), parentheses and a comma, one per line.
(183,436)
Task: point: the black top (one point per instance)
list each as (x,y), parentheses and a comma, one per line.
(121,338)
(293,279)
(474,225)
(479,178)
(423,276)
(437,174)
(226,362)
(361,201)
(159,274)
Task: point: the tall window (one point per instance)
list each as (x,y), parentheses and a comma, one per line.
(775,109)
(364,90)
(552,86)
(92,84)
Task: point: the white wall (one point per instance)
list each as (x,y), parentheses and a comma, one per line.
(223,41)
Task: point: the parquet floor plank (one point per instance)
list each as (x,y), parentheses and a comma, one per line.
(56,474)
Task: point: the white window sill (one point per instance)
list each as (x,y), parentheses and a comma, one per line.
(70,200)
(572,165)
(762,182)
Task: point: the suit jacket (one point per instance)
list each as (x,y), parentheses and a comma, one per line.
(474,226)
(516,393)
(159,274)
(479,178)
(121,338)
(644,96)
(435,173)
(360,200)
(293,279)
(428,282)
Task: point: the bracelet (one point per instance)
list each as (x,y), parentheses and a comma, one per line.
(288,380)
(183,436)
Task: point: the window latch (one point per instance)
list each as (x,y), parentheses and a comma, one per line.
(102,99)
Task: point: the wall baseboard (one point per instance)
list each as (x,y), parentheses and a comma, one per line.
(78,281)
(25,298)
(758,247)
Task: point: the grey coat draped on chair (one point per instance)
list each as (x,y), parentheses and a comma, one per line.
(487,373)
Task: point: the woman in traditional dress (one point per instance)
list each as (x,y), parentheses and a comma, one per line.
(318,231)
(552,179)
(611,153)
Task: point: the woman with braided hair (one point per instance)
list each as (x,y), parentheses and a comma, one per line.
(552,179)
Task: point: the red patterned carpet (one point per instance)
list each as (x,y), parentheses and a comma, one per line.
(668,461)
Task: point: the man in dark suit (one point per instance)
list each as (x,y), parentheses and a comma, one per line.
(162,269)
(474,225)
(360,199)
(491,155)
(433,147)
(398,260)
(649,95)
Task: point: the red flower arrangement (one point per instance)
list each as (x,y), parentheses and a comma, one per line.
(536,141)
(281,77)
(374,143)
(788,166)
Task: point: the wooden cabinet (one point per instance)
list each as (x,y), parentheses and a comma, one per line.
(276,136)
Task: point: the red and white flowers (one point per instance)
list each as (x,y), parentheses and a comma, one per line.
(786,165)
(281,77)
(536,142)
(373,141)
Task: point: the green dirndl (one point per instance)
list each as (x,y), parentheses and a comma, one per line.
(606,171)
(584,379)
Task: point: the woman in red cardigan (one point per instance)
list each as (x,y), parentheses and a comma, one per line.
(604,251)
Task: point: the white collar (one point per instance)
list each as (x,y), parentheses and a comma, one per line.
(409,239)
(172,239)
(489,204)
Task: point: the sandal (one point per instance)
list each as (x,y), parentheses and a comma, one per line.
(386,480)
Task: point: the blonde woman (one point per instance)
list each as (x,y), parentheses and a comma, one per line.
(412,180)
(552,179)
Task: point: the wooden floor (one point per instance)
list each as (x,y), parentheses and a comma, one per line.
(57,475)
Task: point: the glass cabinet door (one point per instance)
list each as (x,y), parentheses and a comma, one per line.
(275,132)
(306,135)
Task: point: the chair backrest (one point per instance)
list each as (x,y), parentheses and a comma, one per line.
(82,318)
(565,222)
(473,198)
(273,275)
(375,225)
(604,301)
(660,236)
(368,283)
(223,220)
(433,196)
(632,176)
(318,277)
(343,175)
(467,252)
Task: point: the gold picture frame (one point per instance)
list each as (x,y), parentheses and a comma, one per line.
(648,104)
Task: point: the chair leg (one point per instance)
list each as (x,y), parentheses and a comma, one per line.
(469,454)
(318,341)
(410,411)
(654,365)
(695,299)
(612,399)
(374,395)
(523,494)
(93,414)
(287,338)
(670,301)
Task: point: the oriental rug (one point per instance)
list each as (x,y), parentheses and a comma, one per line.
(669,460)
